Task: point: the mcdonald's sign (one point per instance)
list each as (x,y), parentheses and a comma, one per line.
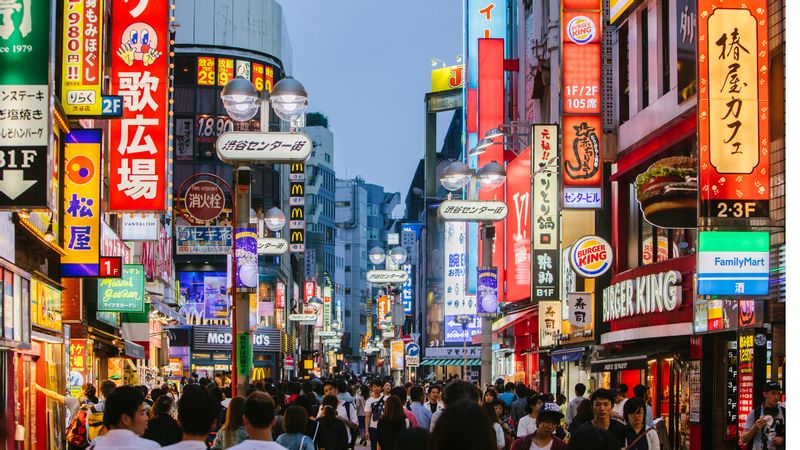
(297,172)
(297,212)
(259,374)
(297,200)
(297,189)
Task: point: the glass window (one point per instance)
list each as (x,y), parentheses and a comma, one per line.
(644,71)
(622,74)
(185,70)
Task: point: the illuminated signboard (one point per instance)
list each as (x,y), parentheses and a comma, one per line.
(518,221)
(224,71)
(545,210)
(82,57)
(580,73)
(206,71)
(446,78)
(733,108)
(82,215)
(139,70)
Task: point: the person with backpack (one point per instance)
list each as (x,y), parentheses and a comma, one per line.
(766,424)
(197,413)
(345,411)
(295,421)
(373,408)
(332,433)
(87,423)
(126,421)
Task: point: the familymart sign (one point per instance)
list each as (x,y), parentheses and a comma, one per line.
(733,263)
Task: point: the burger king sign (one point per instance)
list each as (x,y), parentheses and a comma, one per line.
(590,256)
(581,30)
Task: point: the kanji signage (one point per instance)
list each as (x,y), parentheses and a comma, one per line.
(387,276)
(82,57)
(79,367)
(732,389)
(25,119)
(733,263)
(272,246)
(82,215)
(258,76)
(686,37)
(244,354)
(139,67)
(204,201)
(473,210)
(549,323)
(124,294)
(545,213)
(224,71)
(254,147)
(580,308)
(456,300)
(518,228)
(309,290)
(206,74)
(203,240)
(580,74)
(733,108)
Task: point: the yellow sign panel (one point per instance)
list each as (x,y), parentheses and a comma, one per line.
(82,60)
(447,78)
(45,305)
(617,7)
(82,204)
(398,355)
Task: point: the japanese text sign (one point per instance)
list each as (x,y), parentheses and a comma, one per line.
(82,215)
(309,289)
(206,73)
(272,246)
(204,201)
(124,294)
(580,74)
(580,308)
(407,290)
(686,39)
(733,263)
(387,276)
(549,323)
(485,19)
(254,147)
(473,210)
(545,212)
(203,240)
(518,226)
(82,57)
(733,108)
(224,71)
(137,166)
(257,76)
(78,367)
(25,121)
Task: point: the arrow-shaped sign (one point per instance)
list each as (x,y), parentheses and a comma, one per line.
(14,183)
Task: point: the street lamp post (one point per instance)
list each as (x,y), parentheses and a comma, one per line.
(242,103)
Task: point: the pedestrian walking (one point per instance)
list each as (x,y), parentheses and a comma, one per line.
(422,414)
(295,420)
(362,395)
(509,395)
(332,433)
(454,392)
(126,421)
(583,415)
(527,423)
(161,427)
(572,406)
(766,425)
(400,393)
(434,398)
(519,405)
(612,431)
(637,434)
(640,391)
(495,421)
(392,423)
(197,416)
(543,438)
(373,408)
(345,409)
(232,431)
(463,425)
(259,414)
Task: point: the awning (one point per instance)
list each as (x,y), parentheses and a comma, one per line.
(567,354)
(449,362)
(134,351)
(635,358)
(510,319)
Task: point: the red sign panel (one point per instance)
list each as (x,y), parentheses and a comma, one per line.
(258,76)
(309,289)
(204,200)
(518,223)
(140,44)
(733,108)
(110,267)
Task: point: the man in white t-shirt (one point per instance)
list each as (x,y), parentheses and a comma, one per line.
(346,410)
(259,416)
(197,415)
(373,409)
(620,397)
(126,420)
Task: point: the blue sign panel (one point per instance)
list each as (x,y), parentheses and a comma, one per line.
(407,291)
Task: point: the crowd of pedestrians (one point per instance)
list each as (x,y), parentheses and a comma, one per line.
(338,414)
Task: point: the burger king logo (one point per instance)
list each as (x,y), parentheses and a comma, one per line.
(591,256)
(581,30)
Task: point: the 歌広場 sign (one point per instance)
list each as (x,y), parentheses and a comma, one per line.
(733,263)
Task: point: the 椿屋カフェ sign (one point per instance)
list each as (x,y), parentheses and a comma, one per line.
(647,294)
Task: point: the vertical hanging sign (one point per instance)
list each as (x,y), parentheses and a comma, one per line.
(297,201)
(82,150)
(733,108)
(25,105)
(545,214)
(580,74)
(137,163)
(82,60)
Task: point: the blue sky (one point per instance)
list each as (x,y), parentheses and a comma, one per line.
(366,65)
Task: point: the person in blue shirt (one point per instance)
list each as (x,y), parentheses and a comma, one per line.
(422,413)
(508,395)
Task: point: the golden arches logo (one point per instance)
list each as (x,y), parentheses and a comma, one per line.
(296,213)
(297,168)
(259,374)
(296,237)
(297,189)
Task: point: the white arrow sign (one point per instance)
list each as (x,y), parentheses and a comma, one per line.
(13,183)
(243,146)
(473,210)
(387,276)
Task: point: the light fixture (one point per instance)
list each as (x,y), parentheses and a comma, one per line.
(23,214)
(398,255)
(459,58)
(494,133)
(49,236)
(455,176)
(240,99)
(491,176)
(289,99)
(253,216)
(437,61)
(274,219)
(377,255)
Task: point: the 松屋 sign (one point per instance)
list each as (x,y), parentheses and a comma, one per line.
(733,108)
(733,263)
(473,210)
(82,215)
(139,69)
(647,294)
(82,57)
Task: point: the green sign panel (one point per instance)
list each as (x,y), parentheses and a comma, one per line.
(25,42)
(733,263)
(124,294)
(244,354)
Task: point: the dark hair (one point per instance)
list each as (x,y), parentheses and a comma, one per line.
(463,425)
(365,391)
(580,389)
(227,391)
(561,398)
(584,411)
(510,386)
(490,391)
(523,391)
(107,387)
(341,386)
(124,400)
(259,409)
(233,417)
(489,409)
(435,386)
(593,438)
(393,409)
(197,411)
(295,419)
(155,393)
(143,389)
(532,401)
(632,406)
(329,405)
(307,387)
(161,406)
(417,394)
(413,439)
(498,402)
(622,389)
(640,390)
(460,390)
(399,392)
(602,393)
(330,383)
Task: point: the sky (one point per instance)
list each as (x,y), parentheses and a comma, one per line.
(366,65)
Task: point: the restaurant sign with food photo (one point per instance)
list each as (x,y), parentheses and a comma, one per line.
(667,192)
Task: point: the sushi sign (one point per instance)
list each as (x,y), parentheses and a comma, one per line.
(733,263)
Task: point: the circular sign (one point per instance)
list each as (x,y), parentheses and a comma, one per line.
(581,30)
(591,256)
(412,349)
(204,201)
(288,362)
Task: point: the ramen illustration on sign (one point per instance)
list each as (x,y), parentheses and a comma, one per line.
(139,43)
(581,30)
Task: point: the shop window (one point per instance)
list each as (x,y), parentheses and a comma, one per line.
(622,73)
(644,60)
(185,70)
(665,46)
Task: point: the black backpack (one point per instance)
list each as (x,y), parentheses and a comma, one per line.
(377,409)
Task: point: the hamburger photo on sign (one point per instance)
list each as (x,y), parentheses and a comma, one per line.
(667,192)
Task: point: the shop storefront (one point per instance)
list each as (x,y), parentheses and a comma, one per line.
(210,352)
(649,311)
(445,362)
(518,356)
